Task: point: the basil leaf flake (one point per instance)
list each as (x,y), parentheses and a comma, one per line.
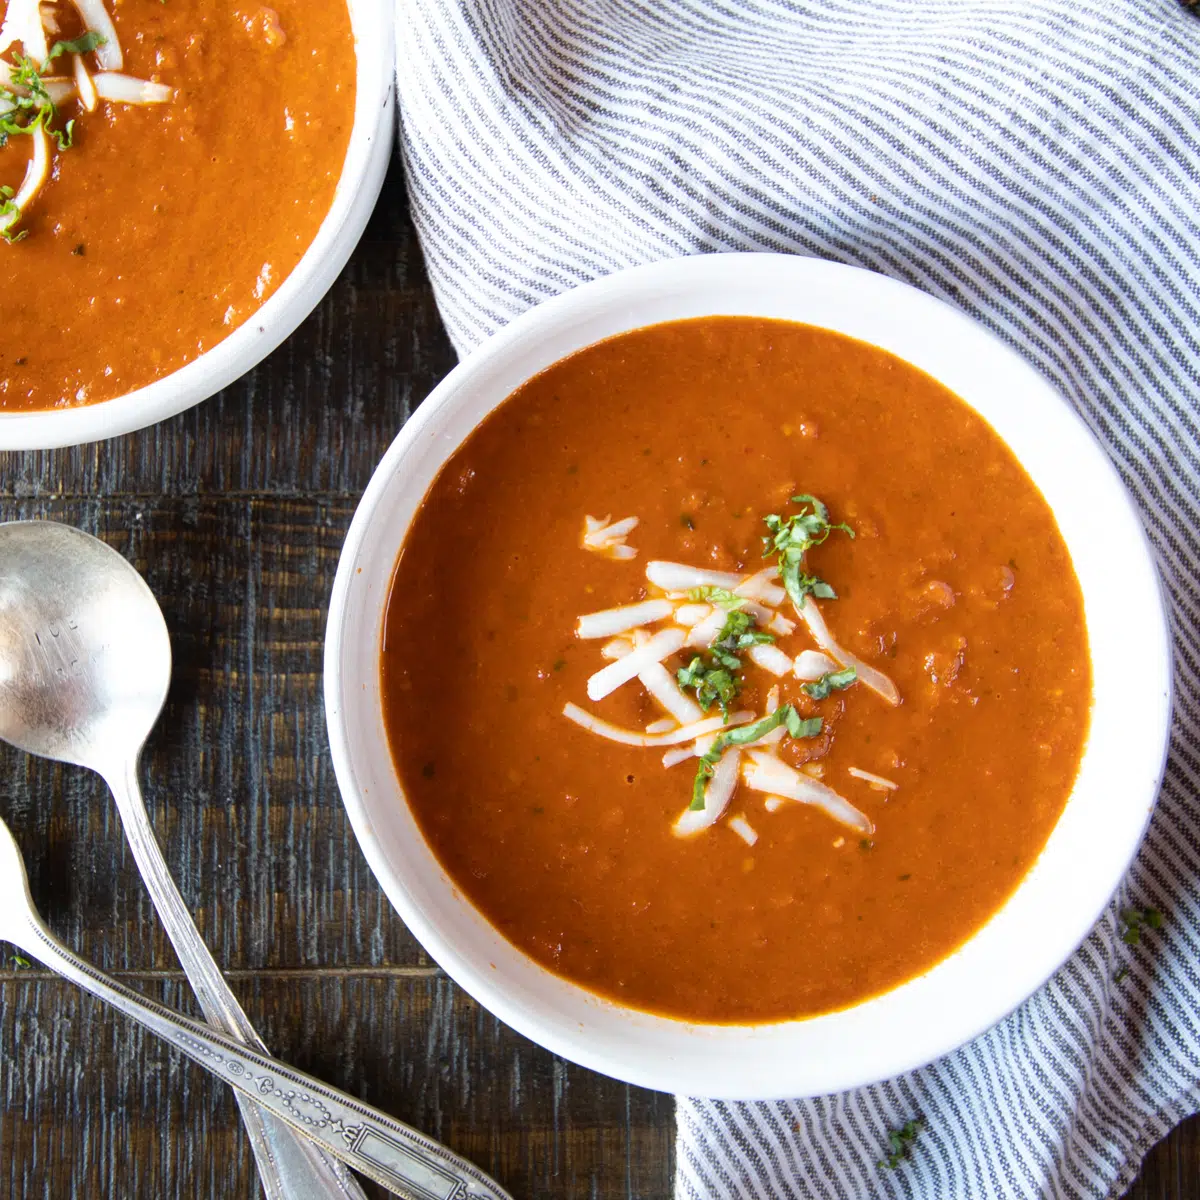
(831,681)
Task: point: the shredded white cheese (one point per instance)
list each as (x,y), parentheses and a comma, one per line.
(768,773)
(36,173)
(602,537)
(23,23)
(126,89)
(679,577)
(678,754)
(704,633)
(743,829)
(692,614)
(96,19)
(631,737)
(812,664)
(760,587)
(610,621)
(661,684)
(662,726)
(608,679)
(770,658)
(876,781)
(781,626)
(717,795)
(761,614)
(877,681)
(617,648)
(84,85)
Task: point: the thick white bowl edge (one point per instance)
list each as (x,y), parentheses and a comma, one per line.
(358,188)
(1064,893)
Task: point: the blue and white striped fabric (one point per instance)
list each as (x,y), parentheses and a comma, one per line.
(1036,163)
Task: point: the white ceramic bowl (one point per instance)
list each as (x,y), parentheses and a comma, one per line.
(358,188)
(1089,850)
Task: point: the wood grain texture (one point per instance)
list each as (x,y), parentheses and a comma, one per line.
(235,513)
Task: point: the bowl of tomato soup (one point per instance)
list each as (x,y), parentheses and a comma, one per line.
(727,681)
(192,178)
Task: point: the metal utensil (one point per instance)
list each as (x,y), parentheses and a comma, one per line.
(85,663)
(410,1164)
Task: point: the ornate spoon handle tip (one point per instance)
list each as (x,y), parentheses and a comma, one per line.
(386,1150)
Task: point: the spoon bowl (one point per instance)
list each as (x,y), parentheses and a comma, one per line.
(85,659)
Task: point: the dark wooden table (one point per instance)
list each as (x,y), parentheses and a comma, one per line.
(234,512)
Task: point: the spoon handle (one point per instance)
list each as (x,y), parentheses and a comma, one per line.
(290,1167)
(382,1148)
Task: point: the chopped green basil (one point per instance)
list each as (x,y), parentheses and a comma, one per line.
(739,633)
(65,137)
(37,108)
(721,597)
(27,75)
(81,45)
(785,714)
(1135,919)
(900,1143)
(790,538)
(10,214)
(715,676)
(712,683)
(831,681)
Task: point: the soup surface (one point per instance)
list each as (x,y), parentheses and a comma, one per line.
(867,834)
(165,225)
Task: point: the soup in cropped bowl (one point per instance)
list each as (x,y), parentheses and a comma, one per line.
(178,184)
(741,675)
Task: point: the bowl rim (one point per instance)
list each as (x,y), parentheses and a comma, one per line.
(367,154)
(587,1035)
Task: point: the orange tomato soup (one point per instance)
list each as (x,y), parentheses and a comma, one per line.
(164,227)
(957,586)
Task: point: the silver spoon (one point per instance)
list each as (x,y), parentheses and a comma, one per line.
(382,1148)
(85,663)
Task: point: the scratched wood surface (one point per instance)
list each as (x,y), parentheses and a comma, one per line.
(235,513)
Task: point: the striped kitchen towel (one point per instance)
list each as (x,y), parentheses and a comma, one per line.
(1033,161)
